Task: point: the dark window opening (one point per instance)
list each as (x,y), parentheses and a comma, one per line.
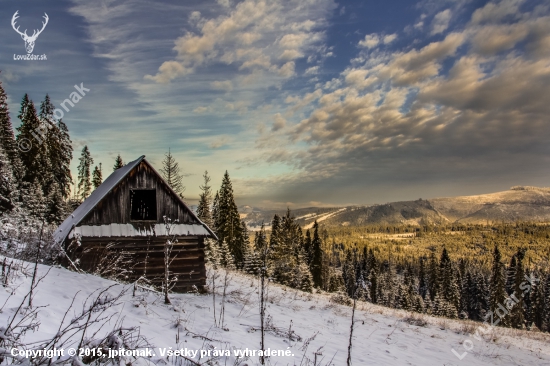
(143,205)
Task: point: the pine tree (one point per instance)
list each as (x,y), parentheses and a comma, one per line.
(56,208)
(422,283)
(317,257)
(7,138)
(118,163)
(171,173)
(517,313)
(60,154)
(212,252)
(84,177)
(35,158)
(449,285)
(498,286)
(7,184)
(205,200)
(226,258)
(536,310)
(215,212)
(229,227)
(307,247)
(433,277)
(97,176)
(252,262)
(546,313)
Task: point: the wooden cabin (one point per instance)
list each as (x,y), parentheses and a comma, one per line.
(129,210)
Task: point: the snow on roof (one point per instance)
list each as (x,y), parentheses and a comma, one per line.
(97,195)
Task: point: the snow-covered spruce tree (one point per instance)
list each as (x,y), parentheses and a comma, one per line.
(498,286)
(546,316)
(8,192)
(97,176)
(84,176)
(118,163)
(171,173)
(286,250)
(449,286)
(7,138)
(228,225)
(252,263)
(60,154)
(433,276)
(317,257)
(212,252)
(517,313)
(226,258)
(215,212)
(204,212)
(35,159)
(422,282)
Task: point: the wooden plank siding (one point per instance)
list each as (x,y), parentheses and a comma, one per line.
(147,255)
(115,207)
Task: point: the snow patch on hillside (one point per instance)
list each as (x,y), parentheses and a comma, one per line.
(303,323)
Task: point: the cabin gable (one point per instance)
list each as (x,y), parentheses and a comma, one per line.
(119,205)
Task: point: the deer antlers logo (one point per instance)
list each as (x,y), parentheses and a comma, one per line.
(29,41)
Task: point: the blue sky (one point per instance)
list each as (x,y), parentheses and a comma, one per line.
(303,102)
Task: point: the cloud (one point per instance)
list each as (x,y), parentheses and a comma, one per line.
(402,116)
(279,123)
(254,33)
(441,21)
(220,142)
(200,109)
(390,38)
(312,70)
(496,11)
(287,70)
(370,41)
(226,85)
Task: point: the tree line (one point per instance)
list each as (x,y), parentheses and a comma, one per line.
(35,177)
(514,292)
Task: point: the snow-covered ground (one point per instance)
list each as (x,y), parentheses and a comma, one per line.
(304,324)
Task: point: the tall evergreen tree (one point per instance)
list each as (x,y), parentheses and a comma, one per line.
(118,163)
(449,286)
(97,176)
(59,150)
(498,286)
(317,257)
(307,247)
(171,173)
(215,212)
(35,159)
(205,200)
(229,227)
(422,283)
(517,313)
(433,277)
(7,184)
(84,176)
(7,138)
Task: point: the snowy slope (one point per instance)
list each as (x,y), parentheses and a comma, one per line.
(381,336)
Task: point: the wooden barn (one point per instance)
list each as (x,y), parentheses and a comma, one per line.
(128,209)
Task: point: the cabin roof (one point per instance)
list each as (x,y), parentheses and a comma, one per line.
(100,192)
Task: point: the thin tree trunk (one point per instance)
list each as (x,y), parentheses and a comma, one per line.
(36,263)
(351,328)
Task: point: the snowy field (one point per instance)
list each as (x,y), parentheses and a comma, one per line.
(311,327)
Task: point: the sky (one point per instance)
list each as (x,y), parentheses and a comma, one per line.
(303,102)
